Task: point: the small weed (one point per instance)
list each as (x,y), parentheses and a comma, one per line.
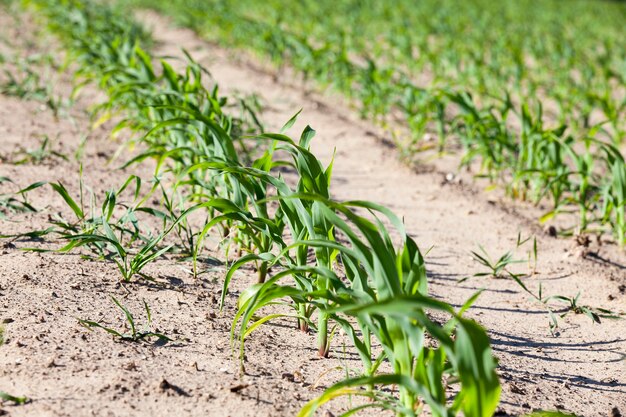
(4,396)
(37,155)
(498,268)
(10,203)
(571,306)
(134,335)
(32,80)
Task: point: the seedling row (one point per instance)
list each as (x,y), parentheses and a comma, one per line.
(533,93)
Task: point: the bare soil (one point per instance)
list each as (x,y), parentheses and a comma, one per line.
(69,371)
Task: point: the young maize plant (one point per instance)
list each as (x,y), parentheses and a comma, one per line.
(614,210)
(303,220)
(386,294)
(110,238)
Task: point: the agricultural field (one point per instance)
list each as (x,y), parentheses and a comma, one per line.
(316,208)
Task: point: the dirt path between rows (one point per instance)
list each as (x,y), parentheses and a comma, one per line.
(69,371)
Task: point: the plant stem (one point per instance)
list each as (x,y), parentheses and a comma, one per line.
(262,272)
(322,335)
(302,324)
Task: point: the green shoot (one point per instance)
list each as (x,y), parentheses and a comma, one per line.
(4,396)
(135,335)
(38,155)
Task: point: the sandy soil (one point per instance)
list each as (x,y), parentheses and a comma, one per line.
(69,371)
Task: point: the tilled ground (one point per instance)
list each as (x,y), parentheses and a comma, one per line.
(68,370)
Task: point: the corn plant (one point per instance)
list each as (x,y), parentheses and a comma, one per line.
(400,325)
(111,240)
(377,277)
(614,192)
(301,217)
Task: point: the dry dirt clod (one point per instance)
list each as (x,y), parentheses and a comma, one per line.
(52,363)
(131,366)
(167,387)
(517,390)
(550,231)
(582,240)
(238,387)
(298,377)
